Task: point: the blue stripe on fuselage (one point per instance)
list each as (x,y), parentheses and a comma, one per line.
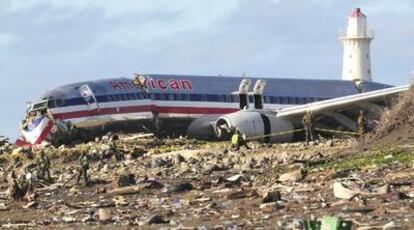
(186,97)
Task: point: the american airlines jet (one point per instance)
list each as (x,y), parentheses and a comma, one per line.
(198,106)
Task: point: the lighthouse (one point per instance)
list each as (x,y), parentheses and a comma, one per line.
(356,40)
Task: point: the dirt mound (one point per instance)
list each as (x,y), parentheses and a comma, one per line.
(396,124)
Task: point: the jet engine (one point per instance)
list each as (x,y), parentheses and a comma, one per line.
(254,124)
(203,127)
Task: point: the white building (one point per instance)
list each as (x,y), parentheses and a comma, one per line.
(356,40)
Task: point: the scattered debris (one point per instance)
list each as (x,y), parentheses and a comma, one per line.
(155,219)
(104,215)
(342,192)
(185,181)
(271,196)
(293,176)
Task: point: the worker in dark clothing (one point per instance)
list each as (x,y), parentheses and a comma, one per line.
(238,140)
(14,190)
(44,166)
(358,85)
(83,168)
(360,123)
(307,125)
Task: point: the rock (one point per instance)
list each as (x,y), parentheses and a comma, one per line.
(74,190)
(235,178)
(155,219)
(126,180)
(120,201)
(272,196)
(159,162)
(329,143)
(137,152)
(3,207)
(68,219)
(178,159)
(342,192)
(271,206)
(211,168)
(382,189)
(390,225)
(179,187)
(239,194)
(104,214)
(293,176)
(87,218)
(32,204)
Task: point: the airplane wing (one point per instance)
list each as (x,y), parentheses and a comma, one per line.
(341,103)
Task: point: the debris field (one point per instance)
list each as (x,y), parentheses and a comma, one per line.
(141,181)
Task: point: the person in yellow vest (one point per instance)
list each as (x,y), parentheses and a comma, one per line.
(307,125)
(238,140)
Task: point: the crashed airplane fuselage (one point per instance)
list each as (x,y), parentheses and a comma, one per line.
(199,105)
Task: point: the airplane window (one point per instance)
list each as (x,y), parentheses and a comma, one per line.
(171,96)
(125,97)
(178,97)
(204,97)
(152,96)
(266,99)
(285,100)
(187,97)
(108,98)
(220,98)
(235,98)
(161,96)
(292,100)
(229,98)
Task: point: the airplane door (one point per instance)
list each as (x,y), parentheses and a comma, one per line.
(90,99)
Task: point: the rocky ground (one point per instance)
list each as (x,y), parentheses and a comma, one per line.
(188,184)
(139,181)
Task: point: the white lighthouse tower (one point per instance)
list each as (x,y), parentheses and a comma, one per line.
(356,40)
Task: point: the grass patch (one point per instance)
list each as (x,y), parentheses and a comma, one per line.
(363,160)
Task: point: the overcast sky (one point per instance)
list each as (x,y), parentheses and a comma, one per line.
(47,43)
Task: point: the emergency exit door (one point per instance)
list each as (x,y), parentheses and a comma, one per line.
(90,99)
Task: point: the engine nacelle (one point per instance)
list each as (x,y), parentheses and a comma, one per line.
(203,127)
(254,124)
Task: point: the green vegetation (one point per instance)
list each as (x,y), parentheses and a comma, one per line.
(358,161)
(363,160)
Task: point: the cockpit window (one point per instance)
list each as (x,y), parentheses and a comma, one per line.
(40,105)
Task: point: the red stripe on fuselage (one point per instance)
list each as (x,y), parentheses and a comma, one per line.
(145,108)
(44,133)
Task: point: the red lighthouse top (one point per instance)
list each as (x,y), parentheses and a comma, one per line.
(356,13)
